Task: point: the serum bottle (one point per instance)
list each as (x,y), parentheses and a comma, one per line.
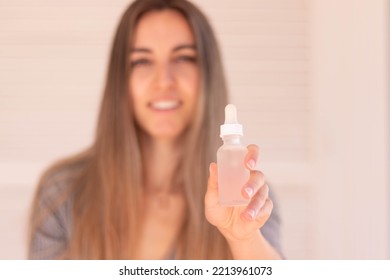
(232,174)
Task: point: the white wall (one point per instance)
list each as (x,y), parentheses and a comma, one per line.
(350,90)
(294,70)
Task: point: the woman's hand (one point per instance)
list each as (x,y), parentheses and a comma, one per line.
(240,223)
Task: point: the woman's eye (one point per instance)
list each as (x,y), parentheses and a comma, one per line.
(186,58)
(140,62)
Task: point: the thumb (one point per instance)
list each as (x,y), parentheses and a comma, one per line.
(212,185)
(213,175)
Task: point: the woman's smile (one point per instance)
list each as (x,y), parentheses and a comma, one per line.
(165,105)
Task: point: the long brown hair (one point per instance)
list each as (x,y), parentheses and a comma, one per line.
(107,193)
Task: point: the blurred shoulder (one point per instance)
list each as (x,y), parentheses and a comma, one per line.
(58,179)
(272,228)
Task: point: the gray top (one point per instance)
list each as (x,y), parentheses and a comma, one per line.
(50,241)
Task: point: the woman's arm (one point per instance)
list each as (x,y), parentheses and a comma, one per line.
(50,220)
(254,248)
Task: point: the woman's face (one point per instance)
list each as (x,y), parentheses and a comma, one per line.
(164,80)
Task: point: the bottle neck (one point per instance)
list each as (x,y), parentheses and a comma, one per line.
(231,139)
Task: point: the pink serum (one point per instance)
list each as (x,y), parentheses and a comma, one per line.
(232,174)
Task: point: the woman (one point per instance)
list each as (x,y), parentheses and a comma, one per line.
(146,188)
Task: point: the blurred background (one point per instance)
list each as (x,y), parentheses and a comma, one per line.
(310,79)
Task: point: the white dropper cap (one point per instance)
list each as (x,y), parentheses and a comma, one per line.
(231,125)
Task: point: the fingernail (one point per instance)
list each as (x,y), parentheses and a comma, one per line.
(251,164)
(249,192)
(251,213)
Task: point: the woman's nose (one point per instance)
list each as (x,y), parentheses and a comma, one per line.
(165,76)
